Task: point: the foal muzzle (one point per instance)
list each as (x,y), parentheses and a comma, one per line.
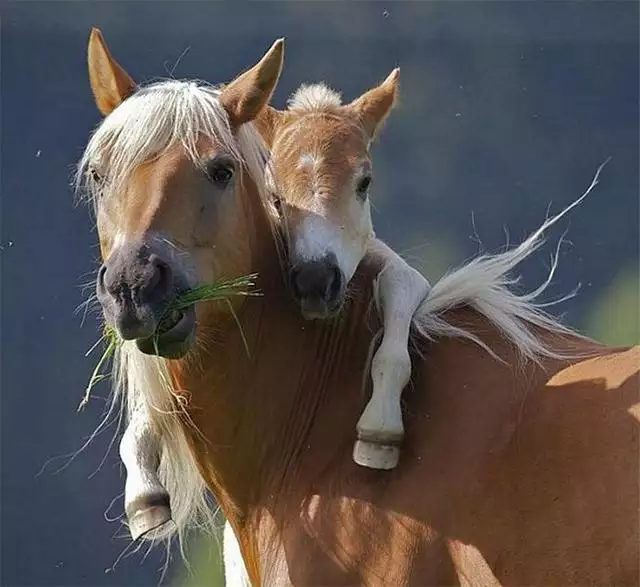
(318,286)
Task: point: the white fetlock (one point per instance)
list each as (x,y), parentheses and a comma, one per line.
(400,291)
(381,421)
(146,501)
(380,433)
(380,429)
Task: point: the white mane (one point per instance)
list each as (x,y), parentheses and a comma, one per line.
(164,114)
(314,97)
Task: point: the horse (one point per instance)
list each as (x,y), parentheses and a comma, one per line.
(518,430)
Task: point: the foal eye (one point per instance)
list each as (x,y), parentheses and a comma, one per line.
(219,173)
(363,187)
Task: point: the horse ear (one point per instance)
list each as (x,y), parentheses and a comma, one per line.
(267,122)
(246,96)
(110,84)
(374,106)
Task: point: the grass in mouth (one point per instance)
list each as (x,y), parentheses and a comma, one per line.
(220,291)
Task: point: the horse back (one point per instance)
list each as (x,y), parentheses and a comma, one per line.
(511,473)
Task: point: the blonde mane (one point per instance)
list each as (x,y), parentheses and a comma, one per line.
(314,98)
(167,113)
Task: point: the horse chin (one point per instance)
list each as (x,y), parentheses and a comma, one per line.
(174,342)
(318,309)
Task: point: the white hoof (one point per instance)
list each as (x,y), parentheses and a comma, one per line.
(376,456)
(144,518)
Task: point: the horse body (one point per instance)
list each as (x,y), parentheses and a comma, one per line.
(502,479)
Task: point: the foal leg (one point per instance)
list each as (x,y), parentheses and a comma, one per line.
(146,501)
(380,431)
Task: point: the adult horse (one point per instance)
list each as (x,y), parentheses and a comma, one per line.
(514,471)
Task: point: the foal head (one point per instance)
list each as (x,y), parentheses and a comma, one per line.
(167,170)
(320,172)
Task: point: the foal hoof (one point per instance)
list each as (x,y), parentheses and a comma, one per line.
(145,517)
(376,456)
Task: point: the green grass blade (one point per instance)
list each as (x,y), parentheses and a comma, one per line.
(97,376)
(217,291)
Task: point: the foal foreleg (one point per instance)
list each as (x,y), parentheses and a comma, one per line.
(146,501)
(380,431)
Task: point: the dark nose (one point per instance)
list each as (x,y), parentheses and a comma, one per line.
(148,281)
(320,280)
(137,284)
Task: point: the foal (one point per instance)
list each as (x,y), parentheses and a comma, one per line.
(320,173)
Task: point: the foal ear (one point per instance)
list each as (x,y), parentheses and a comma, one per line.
(110,84)
(267,122)
(374,106)
(246,96)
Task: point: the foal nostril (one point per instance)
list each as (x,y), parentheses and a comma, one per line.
(334,284)
(305,281)
(317,279)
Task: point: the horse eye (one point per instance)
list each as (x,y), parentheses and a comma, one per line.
(219,173)
(277,202)
(95,175)
(363,186)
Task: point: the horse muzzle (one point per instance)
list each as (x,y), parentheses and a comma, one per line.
(135,288)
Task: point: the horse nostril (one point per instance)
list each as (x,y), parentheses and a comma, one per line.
(101,285)
(160,280)
(155,280)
